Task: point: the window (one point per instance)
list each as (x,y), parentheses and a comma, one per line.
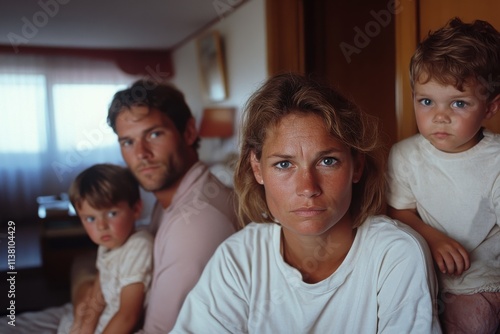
(23,108)
(53,125)
(80,116)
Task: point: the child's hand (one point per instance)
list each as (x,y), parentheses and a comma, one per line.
(450,256)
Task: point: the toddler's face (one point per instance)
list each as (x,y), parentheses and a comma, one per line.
(109,227)
(448,118)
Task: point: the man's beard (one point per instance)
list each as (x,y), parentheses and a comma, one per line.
(174,171)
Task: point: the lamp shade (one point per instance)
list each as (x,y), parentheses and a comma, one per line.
(217,122)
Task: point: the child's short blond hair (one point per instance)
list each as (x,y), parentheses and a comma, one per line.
(458,53)
(103,186)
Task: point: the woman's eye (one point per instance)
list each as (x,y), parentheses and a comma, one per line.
(89,219)
(425,102)
(283,164)
(328,161)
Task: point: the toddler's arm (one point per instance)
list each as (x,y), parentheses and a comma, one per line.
(131,307)
(450,256)
(87,313)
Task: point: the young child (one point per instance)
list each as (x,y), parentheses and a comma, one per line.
(107,200)
(445,181)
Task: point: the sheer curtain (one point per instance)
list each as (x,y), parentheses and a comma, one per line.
(52,125)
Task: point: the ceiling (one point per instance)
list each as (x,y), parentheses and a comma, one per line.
(107,24)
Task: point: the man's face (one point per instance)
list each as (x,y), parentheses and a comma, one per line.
(152,147)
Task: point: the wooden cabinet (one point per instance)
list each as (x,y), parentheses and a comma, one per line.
(63,240)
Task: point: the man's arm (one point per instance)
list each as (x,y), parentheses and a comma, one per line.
(87,313)
(131,306)
(450,256)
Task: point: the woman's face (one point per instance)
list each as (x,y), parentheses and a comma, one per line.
(307,175)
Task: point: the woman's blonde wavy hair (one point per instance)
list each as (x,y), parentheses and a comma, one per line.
(289,93)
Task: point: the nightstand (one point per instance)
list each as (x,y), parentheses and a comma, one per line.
(63,239)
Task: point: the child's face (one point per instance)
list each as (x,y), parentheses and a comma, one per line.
(109,227)
(448,118)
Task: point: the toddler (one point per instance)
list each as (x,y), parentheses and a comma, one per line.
(107,200)
(445,181)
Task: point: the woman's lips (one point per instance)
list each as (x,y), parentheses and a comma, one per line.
(308,212)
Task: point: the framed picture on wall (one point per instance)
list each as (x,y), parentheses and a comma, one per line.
(212,72)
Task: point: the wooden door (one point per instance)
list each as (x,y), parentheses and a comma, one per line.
(351,45)
(434,14)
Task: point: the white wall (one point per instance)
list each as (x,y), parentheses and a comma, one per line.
(243,34)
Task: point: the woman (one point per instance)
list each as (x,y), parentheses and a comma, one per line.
(317,258)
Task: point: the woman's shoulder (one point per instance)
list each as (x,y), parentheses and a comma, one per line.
(389,226)
(389,243)
(252,246)
(386,232)
(385,243)
(255,239)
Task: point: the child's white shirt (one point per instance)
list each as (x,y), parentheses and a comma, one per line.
(458,194)
(130,263)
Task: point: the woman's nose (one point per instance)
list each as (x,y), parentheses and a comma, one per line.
(307,184)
